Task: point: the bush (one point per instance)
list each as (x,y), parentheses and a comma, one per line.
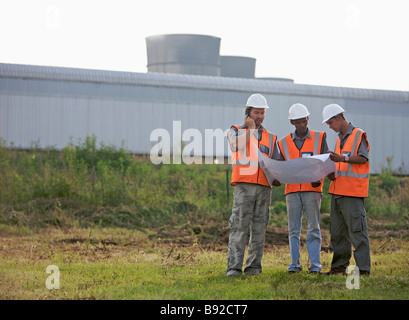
(279,207)
(86,184)
(87,152)
(105,185)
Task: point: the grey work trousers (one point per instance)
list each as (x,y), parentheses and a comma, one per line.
(250,214)
(348,226)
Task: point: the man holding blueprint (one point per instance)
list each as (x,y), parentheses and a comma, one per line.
(304,181)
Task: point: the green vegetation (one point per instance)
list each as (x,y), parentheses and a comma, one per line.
(119,227)
(85,185)
(124,264)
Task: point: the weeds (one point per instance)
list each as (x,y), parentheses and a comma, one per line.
(122,228)
(101,263)
(87,184)
(106,186)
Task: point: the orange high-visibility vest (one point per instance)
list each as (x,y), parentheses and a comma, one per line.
(311,146)
(246,167)
(352,179)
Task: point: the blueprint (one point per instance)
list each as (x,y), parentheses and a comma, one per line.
(300,170)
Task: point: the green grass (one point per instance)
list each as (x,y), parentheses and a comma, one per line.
(85,185)
(131,267)
(119,227)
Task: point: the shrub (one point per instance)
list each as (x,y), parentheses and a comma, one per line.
(105,185)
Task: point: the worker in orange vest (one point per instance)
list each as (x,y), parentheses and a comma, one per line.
(303,143)
(252,191)
(349,186)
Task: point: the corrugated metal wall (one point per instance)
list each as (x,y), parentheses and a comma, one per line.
(51,106)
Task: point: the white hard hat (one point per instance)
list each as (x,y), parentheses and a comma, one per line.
(298,111)
(257,101)
(330,111)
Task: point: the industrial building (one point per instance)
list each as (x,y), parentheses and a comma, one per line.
(189,91)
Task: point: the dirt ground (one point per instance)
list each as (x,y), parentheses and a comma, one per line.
(209,236)
(214,236)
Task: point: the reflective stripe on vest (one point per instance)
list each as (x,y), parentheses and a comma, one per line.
(290,151)
(245,162)
(352,179)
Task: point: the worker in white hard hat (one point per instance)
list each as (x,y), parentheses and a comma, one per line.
(303,142)
(252,191)
(349,186)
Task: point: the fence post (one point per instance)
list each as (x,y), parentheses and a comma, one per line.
(227,189)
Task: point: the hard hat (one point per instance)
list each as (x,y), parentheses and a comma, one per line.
(257,101)
(298,111)
(330,111)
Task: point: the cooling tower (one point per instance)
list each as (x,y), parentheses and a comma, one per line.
(237,67)
(184,53)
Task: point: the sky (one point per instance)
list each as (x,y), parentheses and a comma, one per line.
(359,44)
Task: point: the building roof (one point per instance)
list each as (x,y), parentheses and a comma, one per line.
(196,82)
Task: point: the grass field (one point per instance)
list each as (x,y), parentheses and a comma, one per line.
(115,264)
(119,227)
